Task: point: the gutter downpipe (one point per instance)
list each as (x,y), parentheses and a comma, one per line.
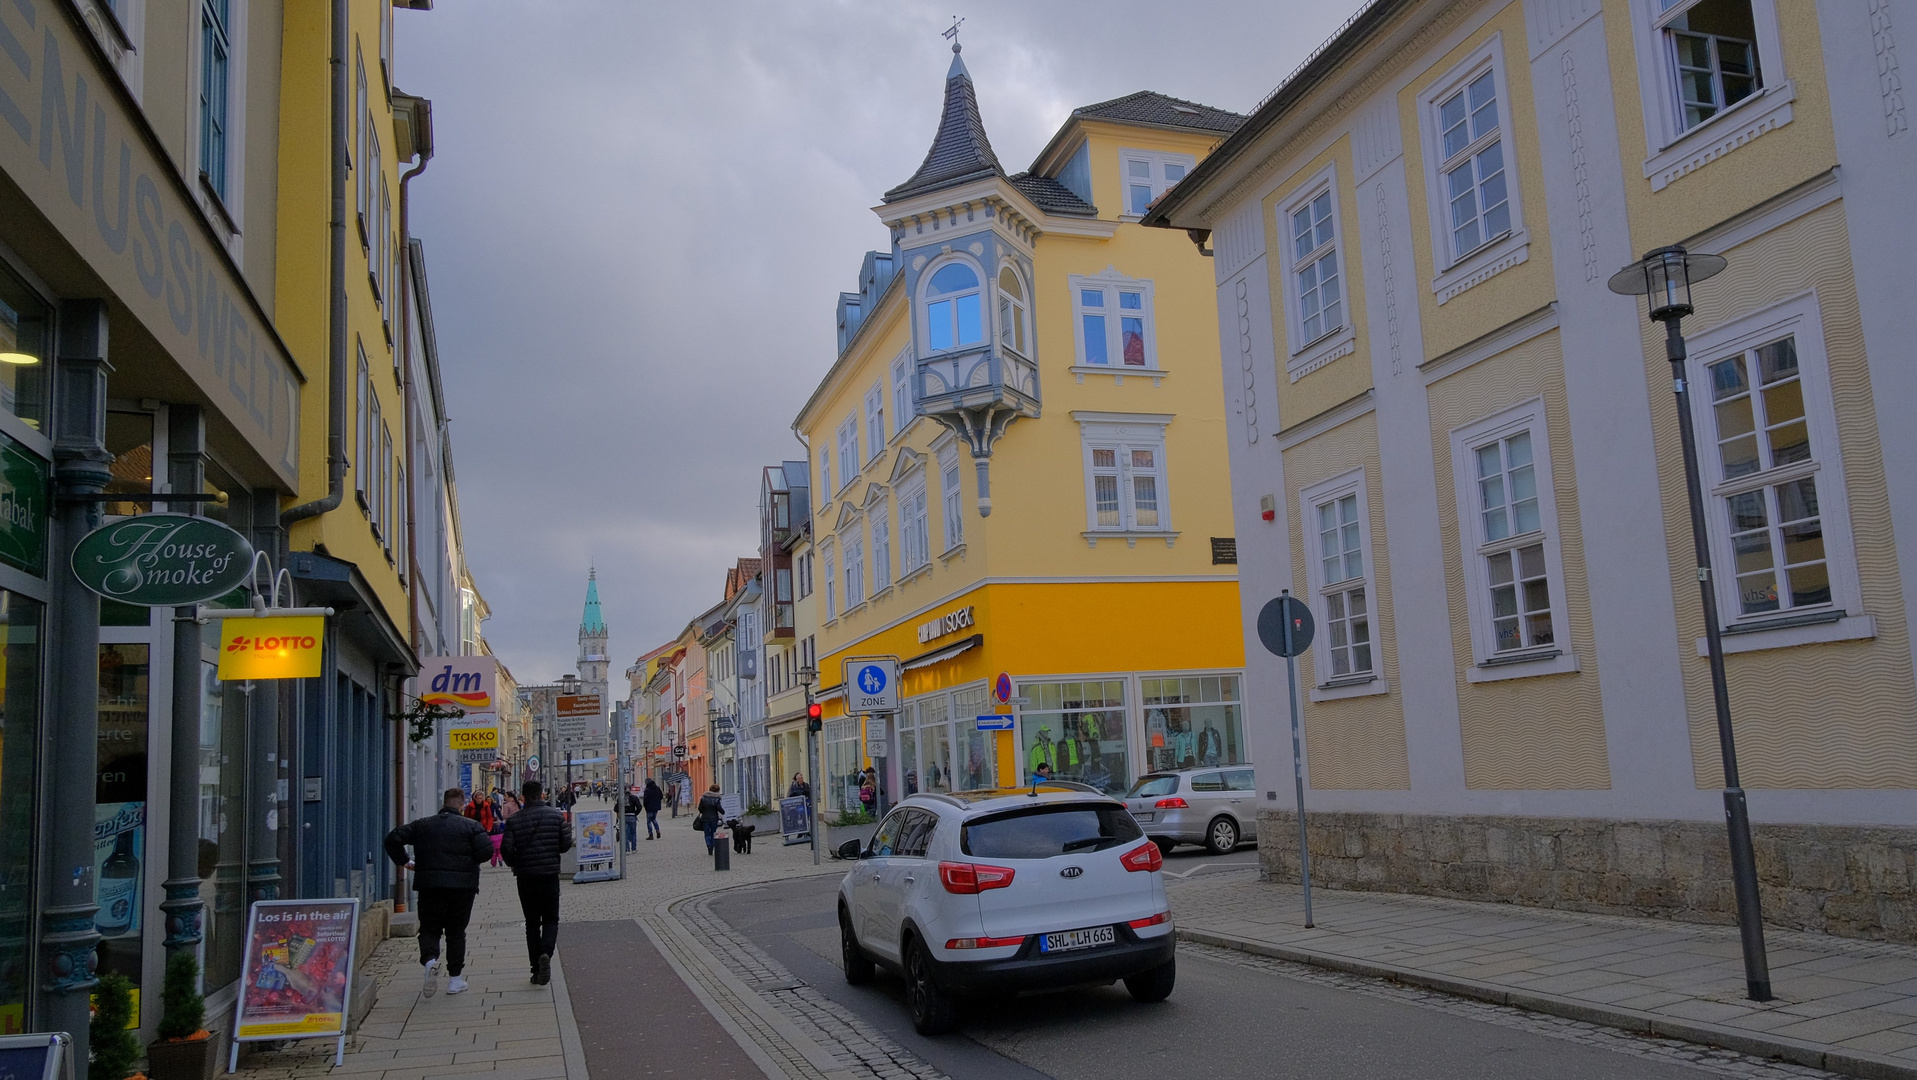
(336,288)
(403,737)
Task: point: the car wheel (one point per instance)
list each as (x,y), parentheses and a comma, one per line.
(1153,984)
(858,966)
(1222,837)
(1165,846)
(934,1012)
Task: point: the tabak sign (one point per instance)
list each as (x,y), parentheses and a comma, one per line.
(162,560)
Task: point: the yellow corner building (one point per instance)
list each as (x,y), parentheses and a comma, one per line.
(1018,467)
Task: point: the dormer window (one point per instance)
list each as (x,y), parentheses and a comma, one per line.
(1012,332)
(952,309)
(1149,174)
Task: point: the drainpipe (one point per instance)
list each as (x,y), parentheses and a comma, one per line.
(336,290)
(422,121)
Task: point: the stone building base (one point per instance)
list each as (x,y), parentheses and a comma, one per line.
(1849,881)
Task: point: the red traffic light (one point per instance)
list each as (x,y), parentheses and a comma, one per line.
(815,711)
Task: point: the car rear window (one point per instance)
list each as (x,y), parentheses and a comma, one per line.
(1045,831)
(1151,787)
(1209,781)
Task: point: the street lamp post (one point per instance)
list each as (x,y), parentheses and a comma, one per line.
(1664,278)
(807,676)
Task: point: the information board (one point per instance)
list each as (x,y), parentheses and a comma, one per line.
(593,838)
(41,1056)
(296,981)
(795,818)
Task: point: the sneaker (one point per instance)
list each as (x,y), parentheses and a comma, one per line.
(431,984)
(456,984)
(542,970)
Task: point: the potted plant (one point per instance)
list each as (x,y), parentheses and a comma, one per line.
(184,1050)
(115,1049)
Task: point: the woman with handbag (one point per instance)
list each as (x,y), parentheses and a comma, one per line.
(711,809)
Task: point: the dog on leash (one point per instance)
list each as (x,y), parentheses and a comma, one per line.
(741,836)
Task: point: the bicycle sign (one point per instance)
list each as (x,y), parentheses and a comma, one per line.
(872,685)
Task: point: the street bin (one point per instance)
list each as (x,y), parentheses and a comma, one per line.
(721,851)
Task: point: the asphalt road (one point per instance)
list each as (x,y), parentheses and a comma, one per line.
(1224,1020)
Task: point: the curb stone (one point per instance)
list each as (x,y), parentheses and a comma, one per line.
(569,1042)
(1757,1044)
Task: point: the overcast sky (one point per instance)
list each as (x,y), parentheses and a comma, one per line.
(637,222)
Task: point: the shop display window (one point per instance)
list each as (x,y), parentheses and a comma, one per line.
(1193,722)
(20,735)
(222,858)
(129,438)
(840,785)
(120,836)
(1078,728)
(26,350)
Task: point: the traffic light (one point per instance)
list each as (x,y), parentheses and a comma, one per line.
(814,717)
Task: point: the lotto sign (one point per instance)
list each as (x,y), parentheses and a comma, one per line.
(283,647)
(872,686)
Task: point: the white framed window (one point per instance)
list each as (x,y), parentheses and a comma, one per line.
(914,546)
(831,589)
(389,495)
(1318,324)
(1112,317)
(1777,511)
(216,50)
(952,498)
(1337,531)
(848,451)
(1124,464)
(216,126)
(1149,174)
(880,515)
(952,299)
(825,476)
(1476,213)
(853,545)
(1014,314)
(902,413)
(1711,78)
(874,421)
(363,449)
(1513,571)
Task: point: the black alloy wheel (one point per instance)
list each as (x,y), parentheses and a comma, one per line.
(932,1008)
(858,966)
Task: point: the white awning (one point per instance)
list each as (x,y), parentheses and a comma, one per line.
(939,656)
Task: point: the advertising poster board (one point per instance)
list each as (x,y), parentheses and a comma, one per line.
(43,1056)
(593,839)
(795,819)
(296,980)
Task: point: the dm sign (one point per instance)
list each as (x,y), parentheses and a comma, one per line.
(282,647)
(162,560)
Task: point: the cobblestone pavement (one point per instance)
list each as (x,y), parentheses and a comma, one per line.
(1845,1005)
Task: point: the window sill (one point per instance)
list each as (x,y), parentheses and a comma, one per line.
(879,594)
(1787,632)
(1321,351)
(854,609)
(1523,666)
(1721,134)
(217,205)
(1130,536)
(1482,265)
(365,238)
(914,574)
(956,551)
(1118,373)
(1350,687)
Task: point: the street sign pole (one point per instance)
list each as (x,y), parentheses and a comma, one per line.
(1285,629)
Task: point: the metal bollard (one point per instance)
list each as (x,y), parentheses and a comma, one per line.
(721,851)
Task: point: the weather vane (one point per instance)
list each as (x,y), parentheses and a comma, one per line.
(952,34)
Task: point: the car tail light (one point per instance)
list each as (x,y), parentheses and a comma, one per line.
(1173,804)
(984,942)
(965,877)
(1159,919)
(1145,857)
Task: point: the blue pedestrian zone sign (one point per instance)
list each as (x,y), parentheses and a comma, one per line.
(872,686)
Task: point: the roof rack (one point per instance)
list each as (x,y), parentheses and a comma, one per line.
(1069,785)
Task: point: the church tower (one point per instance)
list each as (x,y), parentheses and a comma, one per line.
(592,643)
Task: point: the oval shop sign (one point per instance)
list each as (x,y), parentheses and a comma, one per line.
(162,560)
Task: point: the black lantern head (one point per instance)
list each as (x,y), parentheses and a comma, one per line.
(1663,277)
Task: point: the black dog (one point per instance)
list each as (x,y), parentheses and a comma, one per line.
(741,836)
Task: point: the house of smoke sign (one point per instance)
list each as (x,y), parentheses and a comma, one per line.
(162,560)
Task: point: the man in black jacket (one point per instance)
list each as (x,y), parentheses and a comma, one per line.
(535,838)
(448,850)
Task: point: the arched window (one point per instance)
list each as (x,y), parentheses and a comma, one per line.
(952,308)
(1012,331)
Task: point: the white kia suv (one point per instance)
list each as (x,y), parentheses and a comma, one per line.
(977,892)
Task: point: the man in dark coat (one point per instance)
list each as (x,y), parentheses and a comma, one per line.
(535,838)
(652,800)
(448,850)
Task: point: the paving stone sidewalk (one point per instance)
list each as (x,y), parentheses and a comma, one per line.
(1842,1005)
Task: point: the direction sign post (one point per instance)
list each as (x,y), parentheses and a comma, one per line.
(1285,629)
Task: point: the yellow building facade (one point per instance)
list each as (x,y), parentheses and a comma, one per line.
(1018,469)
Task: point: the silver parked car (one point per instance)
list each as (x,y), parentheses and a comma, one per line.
(1216,807)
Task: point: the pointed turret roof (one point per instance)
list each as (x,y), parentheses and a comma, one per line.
(960,151)
(592,622)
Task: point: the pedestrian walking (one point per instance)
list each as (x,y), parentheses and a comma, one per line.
(447,850)
(799,789)
(711,809)
(652,800)
(869,794)
(535,838)
(632,821)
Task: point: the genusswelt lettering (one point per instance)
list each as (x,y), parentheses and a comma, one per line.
(945,624)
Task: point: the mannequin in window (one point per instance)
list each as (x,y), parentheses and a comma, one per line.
(1155,737)
(1184,744)
(1043,752)
(1211,745)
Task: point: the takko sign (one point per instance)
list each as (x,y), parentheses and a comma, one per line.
(163,560)
(284,647)
(946,624)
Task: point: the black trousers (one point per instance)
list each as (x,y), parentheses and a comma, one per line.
(539,900)
(445,911)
